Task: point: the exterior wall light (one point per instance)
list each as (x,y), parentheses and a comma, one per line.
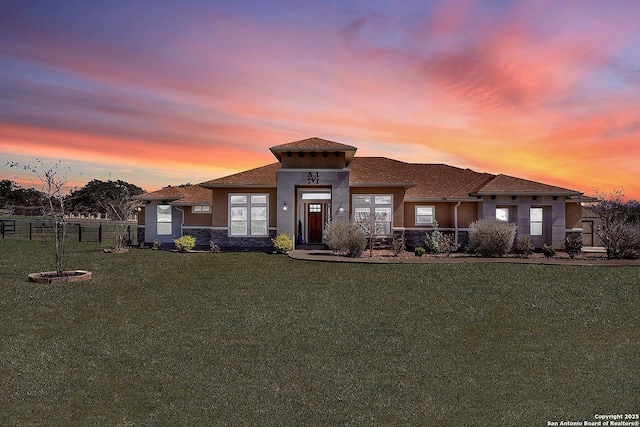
(284,206)
(340,209)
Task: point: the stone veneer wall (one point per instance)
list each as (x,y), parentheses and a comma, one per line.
(237,244)
(204,237)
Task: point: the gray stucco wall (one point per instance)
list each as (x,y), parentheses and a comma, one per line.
(290,179)
(554,219)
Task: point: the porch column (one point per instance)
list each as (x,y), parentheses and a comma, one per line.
(559,222)
(286,194)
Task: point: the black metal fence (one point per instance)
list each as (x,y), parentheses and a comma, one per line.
(80,231)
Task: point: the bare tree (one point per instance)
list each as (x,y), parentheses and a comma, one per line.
(53,180)
(372,225)
(114,198)
(619,224)
(120,211)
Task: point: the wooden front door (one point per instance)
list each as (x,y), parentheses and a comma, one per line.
(314,223)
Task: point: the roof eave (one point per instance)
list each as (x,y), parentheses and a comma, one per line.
(526,193)
(440,199)
(153,198)
(382,184)
(239,185)
(191,203)
(350,152)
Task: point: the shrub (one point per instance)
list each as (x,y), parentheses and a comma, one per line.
(356,242)
(573,245)
(438,243)
(448,244)
(419,251)
(282,243)
(621,239)
(548,250)
(630,254)
(343,236)
(185,243)
(335,235)
(523,246)
(491,237)
(397,244)
(157,245)
(433,242)
(213,247)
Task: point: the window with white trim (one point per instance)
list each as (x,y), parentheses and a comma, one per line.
(535,216)
(201,209)
(163,218)
(248,215)
(502,214)
(425,215)
(378,205)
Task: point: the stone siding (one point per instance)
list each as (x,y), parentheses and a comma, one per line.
(242,244)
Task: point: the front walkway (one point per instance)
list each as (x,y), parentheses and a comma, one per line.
(325,255)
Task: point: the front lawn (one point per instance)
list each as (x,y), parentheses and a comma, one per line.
(171,339)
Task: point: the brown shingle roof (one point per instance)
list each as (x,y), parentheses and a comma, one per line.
(264,176)
(318,144)
(423,181)
(191,194)
(380,170)
(505,184)
(314,144)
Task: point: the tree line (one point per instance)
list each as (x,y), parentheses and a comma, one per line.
(96,196)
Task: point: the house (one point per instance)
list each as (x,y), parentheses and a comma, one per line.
(315,181)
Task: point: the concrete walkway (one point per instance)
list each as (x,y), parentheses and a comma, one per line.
(324,255)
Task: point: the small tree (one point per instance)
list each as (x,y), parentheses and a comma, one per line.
(53,180)
(115,198)
(372,226)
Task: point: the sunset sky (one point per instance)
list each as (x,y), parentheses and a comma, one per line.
(158,92)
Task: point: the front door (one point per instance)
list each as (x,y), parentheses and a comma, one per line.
(314,223)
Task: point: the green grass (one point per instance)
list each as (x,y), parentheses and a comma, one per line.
(162,338)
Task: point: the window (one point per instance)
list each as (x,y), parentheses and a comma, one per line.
(502,214)
(361,200)
(201,209)
(535,216)
(164,220)
(315,208)
(248,215)
(378,205)
(424,214)
(316,195)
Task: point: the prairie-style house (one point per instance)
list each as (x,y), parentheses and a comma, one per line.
(315,181)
